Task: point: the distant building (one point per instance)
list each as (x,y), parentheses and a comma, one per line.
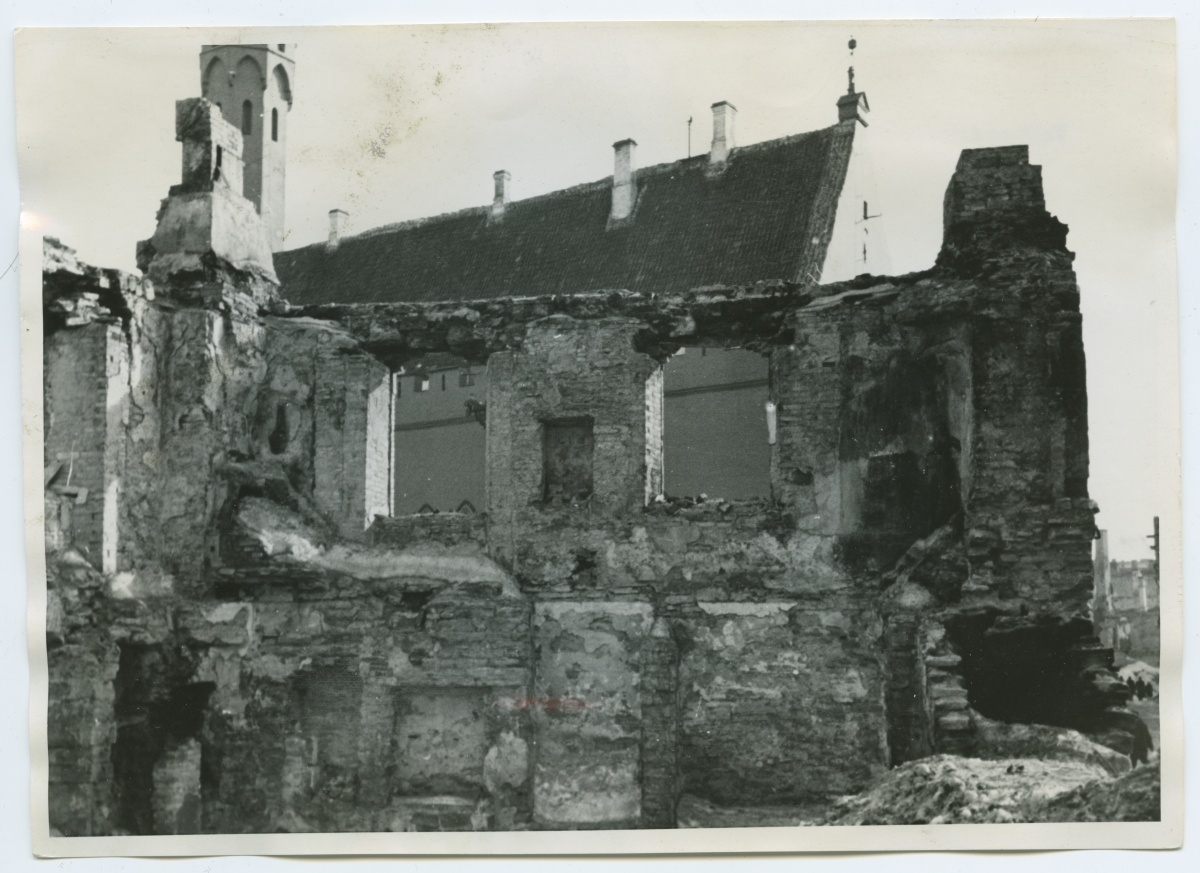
(1125,606)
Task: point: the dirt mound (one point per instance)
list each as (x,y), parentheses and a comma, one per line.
(948,790)
(1136,796)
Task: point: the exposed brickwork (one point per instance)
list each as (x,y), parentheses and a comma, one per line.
(76,428)
(660,727)
(351,454)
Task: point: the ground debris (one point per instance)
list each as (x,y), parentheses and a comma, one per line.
(949,790)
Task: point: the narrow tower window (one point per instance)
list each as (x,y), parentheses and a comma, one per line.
(275,125)
(247,113)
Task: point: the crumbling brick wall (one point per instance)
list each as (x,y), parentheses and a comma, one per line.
(585,651)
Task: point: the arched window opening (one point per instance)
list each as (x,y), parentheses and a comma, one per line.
(275,125)
(282,87)
(212,78)
(247,117)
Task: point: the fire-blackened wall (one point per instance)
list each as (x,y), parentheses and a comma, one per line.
(585,652)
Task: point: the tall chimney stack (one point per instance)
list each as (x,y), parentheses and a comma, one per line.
(722,141)
(624,192)
(337,218)
(500,201)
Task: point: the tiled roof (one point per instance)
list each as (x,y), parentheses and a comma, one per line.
(768,215)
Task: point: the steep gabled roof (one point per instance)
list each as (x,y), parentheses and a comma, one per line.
(768,215)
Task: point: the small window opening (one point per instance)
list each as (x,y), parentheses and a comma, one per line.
(443,381)
(466,379)
(282,47)
(275,125)
(217,163)
(865,216)
(247,117)
(567,449)
(420,384)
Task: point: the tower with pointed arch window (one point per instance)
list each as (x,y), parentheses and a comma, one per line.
(253,86)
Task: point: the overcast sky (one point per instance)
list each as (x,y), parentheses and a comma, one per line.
(392,123)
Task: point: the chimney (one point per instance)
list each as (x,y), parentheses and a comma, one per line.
(624,192)
(502,178)
(337,217)
(722,141)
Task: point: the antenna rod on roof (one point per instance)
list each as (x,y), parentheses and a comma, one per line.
(689,136)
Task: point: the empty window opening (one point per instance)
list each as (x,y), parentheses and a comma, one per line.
(715,435)
(440,438)
(466,378)
(217,163)
(247,117)
(282,47)
(567,449)
(275,125)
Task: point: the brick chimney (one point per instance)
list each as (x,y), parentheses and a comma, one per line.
(337,218)
(722,141)
(624,193)
(500,201)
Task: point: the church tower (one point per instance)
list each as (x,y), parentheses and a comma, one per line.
(252,84)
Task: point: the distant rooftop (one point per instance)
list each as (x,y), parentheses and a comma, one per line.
(767,216)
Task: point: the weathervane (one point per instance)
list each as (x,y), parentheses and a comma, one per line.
(853,45)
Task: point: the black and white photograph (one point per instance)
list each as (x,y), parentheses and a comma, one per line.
(602,436)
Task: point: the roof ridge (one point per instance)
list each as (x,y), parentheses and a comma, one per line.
(583,187)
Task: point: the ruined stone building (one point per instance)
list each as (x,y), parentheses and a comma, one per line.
(797,209)
(243,637)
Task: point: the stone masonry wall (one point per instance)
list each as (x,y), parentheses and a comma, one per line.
(351,460)
(261,652)
(568,371)
(77,428)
